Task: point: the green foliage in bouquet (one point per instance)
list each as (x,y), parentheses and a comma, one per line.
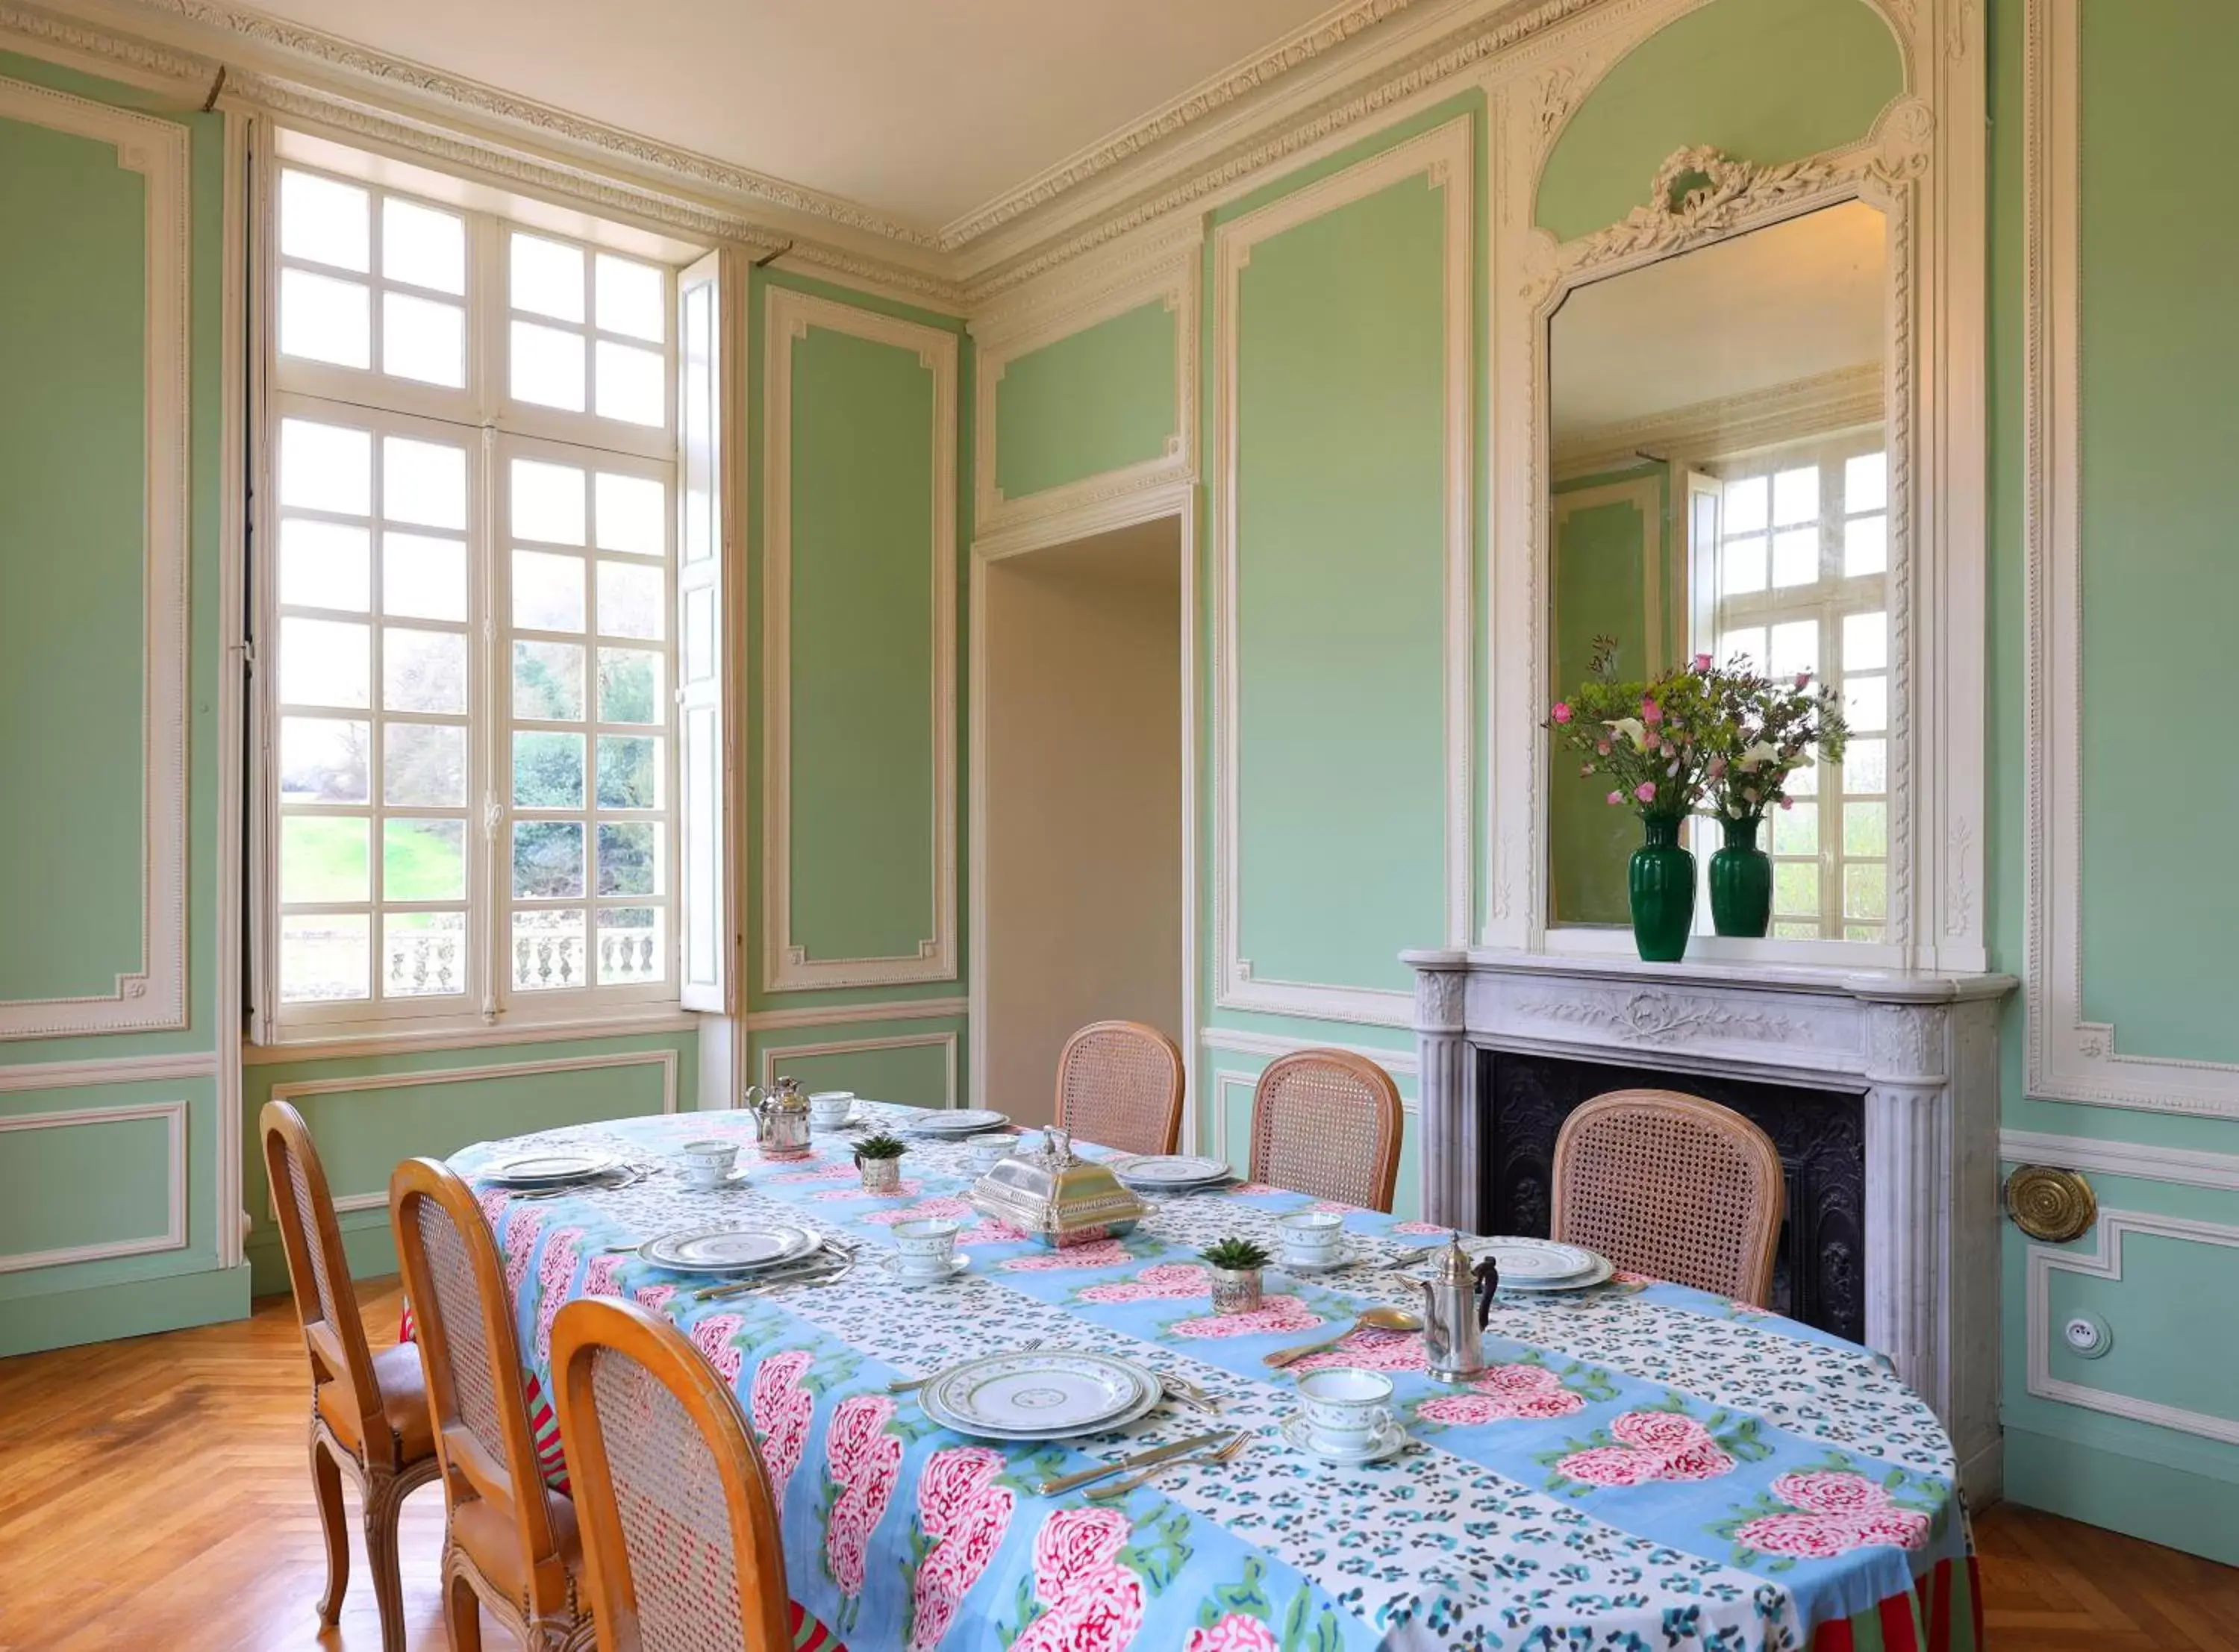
(1654,741)
(1236,1256)
(1774,727)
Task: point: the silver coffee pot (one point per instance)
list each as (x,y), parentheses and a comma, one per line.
(1454,1312)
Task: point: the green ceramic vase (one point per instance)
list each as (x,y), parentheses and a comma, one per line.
(1662,882)
(1741,882)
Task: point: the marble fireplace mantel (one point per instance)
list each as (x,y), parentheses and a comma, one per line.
(1922,1050)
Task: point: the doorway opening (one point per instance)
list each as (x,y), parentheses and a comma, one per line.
(1084,824)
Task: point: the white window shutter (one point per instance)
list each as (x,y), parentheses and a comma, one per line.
(704,884)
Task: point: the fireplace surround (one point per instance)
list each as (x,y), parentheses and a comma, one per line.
(1909,1062)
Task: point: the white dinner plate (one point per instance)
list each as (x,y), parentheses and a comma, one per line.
(1052,1394)
(1535,1264)
(1170,1170)
(733,1248)
(549,1169)
(962,1121)
(1599,1274)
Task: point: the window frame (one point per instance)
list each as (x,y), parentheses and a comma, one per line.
(482,415)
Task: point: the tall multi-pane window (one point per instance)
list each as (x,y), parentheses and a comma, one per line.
(465,656)
(1798,583)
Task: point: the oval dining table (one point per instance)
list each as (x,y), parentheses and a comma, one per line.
(1642,1466)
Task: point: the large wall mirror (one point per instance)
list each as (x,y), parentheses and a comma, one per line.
(1719,481)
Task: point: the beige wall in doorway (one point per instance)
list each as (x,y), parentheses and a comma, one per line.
(1084,732)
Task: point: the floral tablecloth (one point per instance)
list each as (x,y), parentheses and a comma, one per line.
(1644,1466)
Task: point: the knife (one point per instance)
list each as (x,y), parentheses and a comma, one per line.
(832,1264)
(1066,1482)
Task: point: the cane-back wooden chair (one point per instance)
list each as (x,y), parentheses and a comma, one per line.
(680,1532)
(510,1541)
(1672,1186)
(1120,1084)
(368,1410)
(1327,1122)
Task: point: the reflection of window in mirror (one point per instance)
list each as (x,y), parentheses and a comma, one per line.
(1793,553)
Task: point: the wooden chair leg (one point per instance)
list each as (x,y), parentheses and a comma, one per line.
(327,1489)
(385,1504)
(462,1615)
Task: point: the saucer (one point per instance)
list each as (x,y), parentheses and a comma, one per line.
(1392,1442)
(855,1116)
(893,1265)
(1343,1256)
(736,1179)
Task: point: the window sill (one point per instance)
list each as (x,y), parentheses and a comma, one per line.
(335,1041)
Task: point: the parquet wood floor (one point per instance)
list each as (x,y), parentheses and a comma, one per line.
(155,1497)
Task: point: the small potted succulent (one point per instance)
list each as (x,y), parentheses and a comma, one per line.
(1236,1264)
(879,1160)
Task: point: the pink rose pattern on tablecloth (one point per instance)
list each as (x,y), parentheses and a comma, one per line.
(1165,1279)
(1369,1350)
(712,1336)
(1834,1513)
(1420,1227)
(1273,1315)
(819,1173)
(965,1514)
(990,1233)
(603,1277)
(1091,1603)
(1235,1633)
(945,1205)
(1654,1445)
(521,1235)
(864,1461)
(557,1268)
(1503,1393)
(1102,1253)
(901,1191)
(782,1408)
(656,1297)
(493,1201)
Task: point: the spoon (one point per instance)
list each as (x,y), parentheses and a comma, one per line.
(1372,1319)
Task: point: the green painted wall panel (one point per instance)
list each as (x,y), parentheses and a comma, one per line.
(1100,400)
(51,1171)
(72,493)
(914,1075)
(2159,353)
(2166,1350)
(1762,80)
(861,631)
(1341,549)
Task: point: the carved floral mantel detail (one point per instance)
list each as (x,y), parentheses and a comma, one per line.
(1920,1049)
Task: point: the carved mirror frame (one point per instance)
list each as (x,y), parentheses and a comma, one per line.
(1930,194)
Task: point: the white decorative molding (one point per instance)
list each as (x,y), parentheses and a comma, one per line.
(2185,1166)
(786,963)
(116,1069)
(1920,1050)
(664,1059)
(1178,500)
(173,1235)
(1444,157)
(1401,1064)
(233,765)
(404,1041)
(1224,1082)
(945,1042)
(2104,1261)
(1161,271)
(1931,193)
(1841,400)
(834,1015)
(152,993)
(2071,1057)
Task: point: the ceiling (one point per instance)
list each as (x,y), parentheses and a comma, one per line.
(1796,302)
(921,112)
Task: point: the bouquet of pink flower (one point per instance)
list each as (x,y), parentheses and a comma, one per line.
(1772,728)
(1654,740)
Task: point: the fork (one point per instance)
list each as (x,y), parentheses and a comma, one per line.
(1190,1394)
(910,1385)
(1227,1453)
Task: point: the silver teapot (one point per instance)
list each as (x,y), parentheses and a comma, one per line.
(1457,1302)
(781,1119)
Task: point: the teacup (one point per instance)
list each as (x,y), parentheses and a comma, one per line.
(1347,1409)
(828,1109)
(928,1246)
(708,1164)
(985,1153)
(1312,1236)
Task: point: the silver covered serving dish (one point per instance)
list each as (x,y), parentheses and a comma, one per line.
(1056,1197)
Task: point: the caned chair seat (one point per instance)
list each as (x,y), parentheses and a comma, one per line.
(368,1412)
(1120,1084)
(510,1545)
(1327,1122)
(680,1531)
(1672,1186)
